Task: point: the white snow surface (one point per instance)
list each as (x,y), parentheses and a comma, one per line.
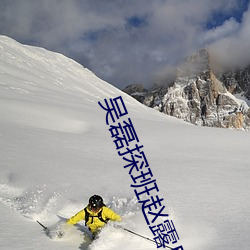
(56,151)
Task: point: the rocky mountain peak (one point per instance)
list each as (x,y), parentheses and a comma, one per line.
(196,64)
(202,97)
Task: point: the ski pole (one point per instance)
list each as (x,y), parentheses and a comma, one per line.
(138,234)
(45,228)
(146,238)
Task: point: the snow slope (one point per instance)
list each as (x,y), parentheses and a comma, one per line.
(56,151)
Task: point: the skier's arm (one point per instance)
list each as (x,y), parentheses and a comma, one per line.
(77,217)
(110,214)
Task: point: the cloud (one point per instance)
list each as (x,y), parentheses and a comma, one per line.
(126,42)
(228,28)
(233,49)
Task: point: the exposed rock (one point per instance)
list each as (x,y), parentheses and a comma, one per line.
(137,91)
(237,81)
(201,97)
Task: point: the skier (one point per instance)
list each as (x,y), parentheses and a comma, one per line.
(95,214)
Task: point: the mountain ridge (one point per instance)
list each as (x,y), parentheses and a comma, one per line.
(201,95)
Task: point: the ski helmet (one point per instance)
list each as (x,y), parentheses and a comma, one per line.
(95,202)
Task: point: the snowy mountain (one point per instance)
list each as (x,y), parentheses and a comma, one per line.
(201,95)
(237,81)
(56,151)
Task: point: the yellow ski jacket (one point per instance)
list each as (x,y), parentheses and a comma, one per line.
(94,223)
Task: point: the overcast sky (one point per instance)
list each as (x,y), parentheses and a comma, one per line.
(131,41)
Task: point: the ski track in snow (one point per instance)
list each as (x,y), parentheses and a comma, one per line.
(43,117)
